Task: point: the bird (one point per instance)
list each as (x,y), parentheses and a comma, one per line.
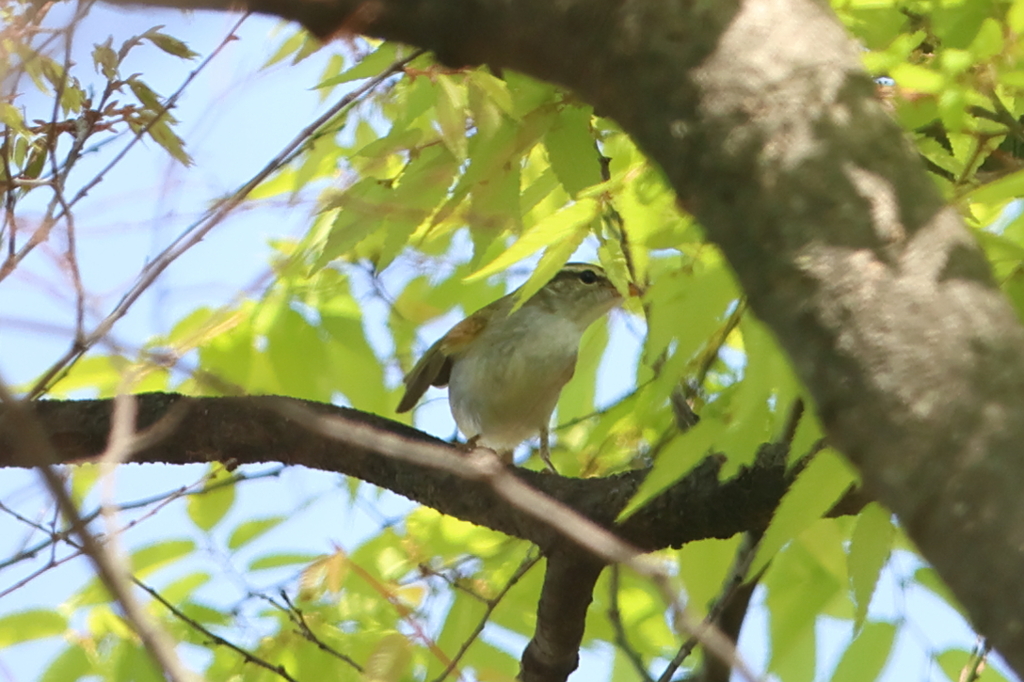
(505,369)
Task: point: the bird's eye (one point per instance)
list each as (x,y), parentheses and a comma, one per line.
(588,276)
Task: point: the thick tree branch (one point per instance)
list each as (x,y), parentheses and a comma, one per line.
(249,430)
(254,429)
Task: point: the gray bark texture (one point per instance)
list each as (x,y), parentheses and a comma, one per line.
(767,127)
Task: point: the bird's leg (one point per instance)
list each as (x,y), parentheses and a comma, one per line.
(473,443)
(545,449)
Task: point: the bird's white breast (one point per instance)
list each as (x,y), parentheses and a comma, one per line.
(505,387)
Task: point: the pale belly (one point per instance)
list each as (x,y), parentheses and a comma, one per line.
(507,393)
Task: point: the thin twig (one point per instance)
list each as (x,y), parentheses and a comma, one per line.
(737,577)
(976,664)
(298,618)
(621,639)
(528,563)
(29,437)
(216,639)
(161,501)
(198,230)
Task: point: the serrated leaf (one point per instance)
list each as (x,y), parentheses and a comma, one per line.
(451,115)
(26,626)
(572,150)
(866,656)
(550,263)
(206,509)
(369,66)
(813,493)
(290,45)
(149,99)
(162,134)
(869,550)
(105,59)
(11,117)
(494,88)
(170,45)
(674,461)
(247,531)
(557,227)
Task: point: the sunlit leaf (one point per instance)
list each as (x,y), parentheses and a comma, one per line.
(556,228)
(869,549)
(207,508)
(26,626)
(252,529)
(813,493)
(572,149)
(867,653)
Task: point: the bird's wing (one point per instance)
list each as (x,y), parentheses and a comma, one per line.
(435,367)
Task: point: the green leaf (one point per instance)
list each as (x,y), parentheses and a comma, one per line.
(83,479)
(182,588)
(295,351)
(869,550)
(554,229)
(918,78)
(813,493)
(1015,17)
(796,663)
(864,659)
(495,89)
(390,659)
(70,665)
(452,101)
(577,399)
(134,662)
(146,95)
(462,619)
(1008,187)
(170,44)
(699,296)
(105,59)
(278,560)
(152,558)
(955,662)
(572,151)
(207,508)
(26,626)
(250,530)
(550,263)
(675,461)
(289,46)
(369,66)
(802,582)
(165,137)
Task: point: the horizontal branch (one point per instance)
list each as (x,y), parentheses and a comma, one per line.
(248,430)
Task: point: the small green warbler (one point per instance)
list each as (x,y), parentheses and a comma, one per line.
(505,370)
